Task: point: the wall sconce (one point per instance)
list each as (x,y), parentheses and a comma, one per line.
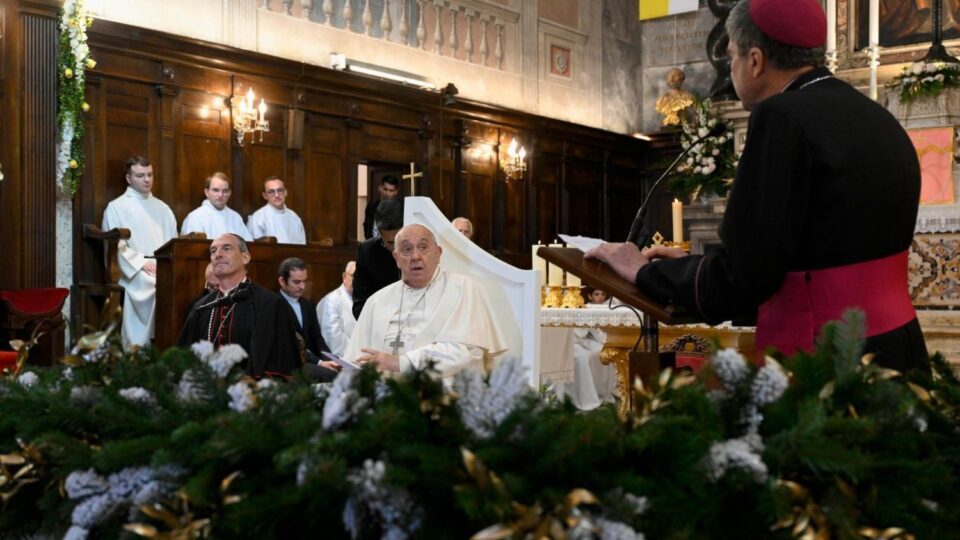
(247,118)
(515,164)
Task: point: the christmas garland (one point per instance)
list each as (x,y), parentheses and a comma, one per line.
(183,445)
(73,61)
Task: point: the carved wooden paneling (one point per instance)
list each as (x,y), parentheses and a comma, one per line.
(325,192)
(584,196)
(204,148)
(38,261)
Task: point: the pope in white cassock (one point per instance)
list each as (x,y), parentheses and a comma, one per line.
(428,315)
(151,224)
(213,217)
(335,313)
(274,218)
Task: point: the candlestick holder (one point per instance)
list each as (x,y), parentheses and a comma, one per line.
(553,297)
(572,299)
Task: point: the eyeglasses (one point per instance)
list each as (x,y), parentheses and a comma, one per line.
(407,250)
(278,191)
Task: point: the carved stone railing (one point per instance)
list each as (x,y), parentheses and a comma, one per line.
(466,30)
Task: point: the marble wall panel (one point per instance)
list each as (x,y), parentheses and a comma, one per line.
(681,39)
(935,270)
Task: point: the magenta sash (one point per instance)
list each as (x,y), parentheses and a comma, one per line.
(790,320)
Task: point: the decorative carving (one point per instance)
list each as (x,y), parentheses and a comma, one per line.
(328,11)
(386,25)
(421,26)
(468,41)
(306,8)
(347,14)
(287,7)
(498,50)
(404,24)
(484,48)
(265,4)
(438,30)
(367,18)
(168,73)
(620,360)
(717,41)
(453,43)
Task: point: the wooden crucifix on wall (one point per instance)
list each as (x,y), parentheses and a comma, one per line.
(413,178)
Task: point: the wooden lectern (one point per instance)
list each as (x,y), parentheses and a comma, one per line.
(181,263)
(647,362)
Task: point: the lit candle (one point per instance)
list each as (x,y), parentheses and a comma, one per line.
(538,263)
(572,280)
(831,25)
(677,208)
(263,109)
(555,273)
(874,22)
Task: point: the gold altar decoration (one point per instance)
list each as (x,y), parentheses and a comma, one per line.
(552,297)
(572,299)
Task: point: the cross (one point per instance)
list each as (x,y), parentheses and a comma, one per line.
(396,344)
(413,178)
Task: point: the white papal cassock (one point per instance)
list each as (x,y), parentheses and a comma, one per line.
(335,313)
(213,223)
(151,224)
(284,224)
(448,321)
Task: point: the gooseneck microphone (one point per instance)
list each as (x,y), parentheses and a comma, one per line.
(637,233)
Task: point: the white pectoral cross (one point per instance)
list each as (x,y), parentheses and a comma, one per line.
(413,178)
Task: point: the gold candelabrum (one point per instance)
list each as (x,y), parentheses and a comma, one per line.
(515,163)
(657,240)
(554,296)
(247,118)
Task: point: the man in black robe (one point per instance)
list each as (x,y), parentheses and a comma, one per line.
(389,189)
(243,313)
(376,267)
(823,206)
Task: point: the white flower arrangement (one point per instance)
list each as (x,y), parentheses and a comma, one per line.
(344,402)
(140,395)
(241,397)
(921,79)
(73,62)
(711,163)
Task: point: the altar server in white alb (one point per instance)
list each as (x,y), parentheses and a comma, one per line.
(335,312)
(274,218)
(430,314)
(214,218)
(151,224)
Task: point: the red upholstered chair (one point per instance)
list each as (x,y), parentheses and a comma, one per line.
(26,312)
(693,352)
(8,360)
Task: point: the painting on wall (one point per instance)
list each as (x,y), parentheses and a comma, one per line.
(935,150)
(906,22)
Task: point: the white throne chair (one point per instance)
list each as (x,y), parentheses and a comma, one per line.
(514,293)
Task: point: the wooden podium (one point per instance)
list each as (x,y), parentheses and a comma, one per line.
(181,263)
(645,363)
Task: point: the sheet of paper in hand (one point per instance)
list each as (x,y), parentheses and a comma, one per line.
(343,362)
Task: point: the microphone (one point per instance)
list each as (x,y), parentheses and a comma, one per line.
(637,234)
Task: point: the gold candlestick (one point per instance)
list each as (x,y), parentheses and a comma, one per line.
(572,298)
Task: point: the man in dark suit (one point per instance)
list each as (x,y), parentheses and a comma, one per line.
(389,189)
(376,267)
(292,277)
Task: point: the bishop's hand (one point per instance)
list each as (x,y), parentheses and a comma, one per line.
(624,258)
(381,360)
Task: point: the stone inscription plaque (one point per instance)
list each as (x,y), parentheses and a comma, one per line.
(678,39)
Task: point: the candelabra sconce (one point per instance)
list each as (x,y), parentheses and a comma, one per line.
(515,163)
(551,297)
(572,299)
(247,118)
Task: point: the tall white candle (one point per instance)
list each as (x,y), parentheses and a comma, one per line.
(554,273)
(677,208)
(572,280)
(831,25)
(538,263)
(874,22)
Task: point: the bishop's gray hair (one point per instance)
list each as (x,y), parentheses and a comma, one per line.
(746,34)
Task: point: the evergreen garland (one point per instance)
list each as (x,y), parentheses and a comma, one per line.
(72,62)
(182,444)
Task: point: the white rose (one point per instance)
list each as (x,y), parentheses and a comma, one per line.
(702,131)
(917,68)
(939,77)
(716,152)
(930,68)
(696,170)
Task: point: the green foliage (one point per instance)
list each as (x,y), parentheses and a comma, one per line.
(849,444)
(72,62)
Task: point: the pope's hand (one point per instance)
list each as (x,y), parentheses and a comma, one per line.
(381,360)
(663,252)
(624,259)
